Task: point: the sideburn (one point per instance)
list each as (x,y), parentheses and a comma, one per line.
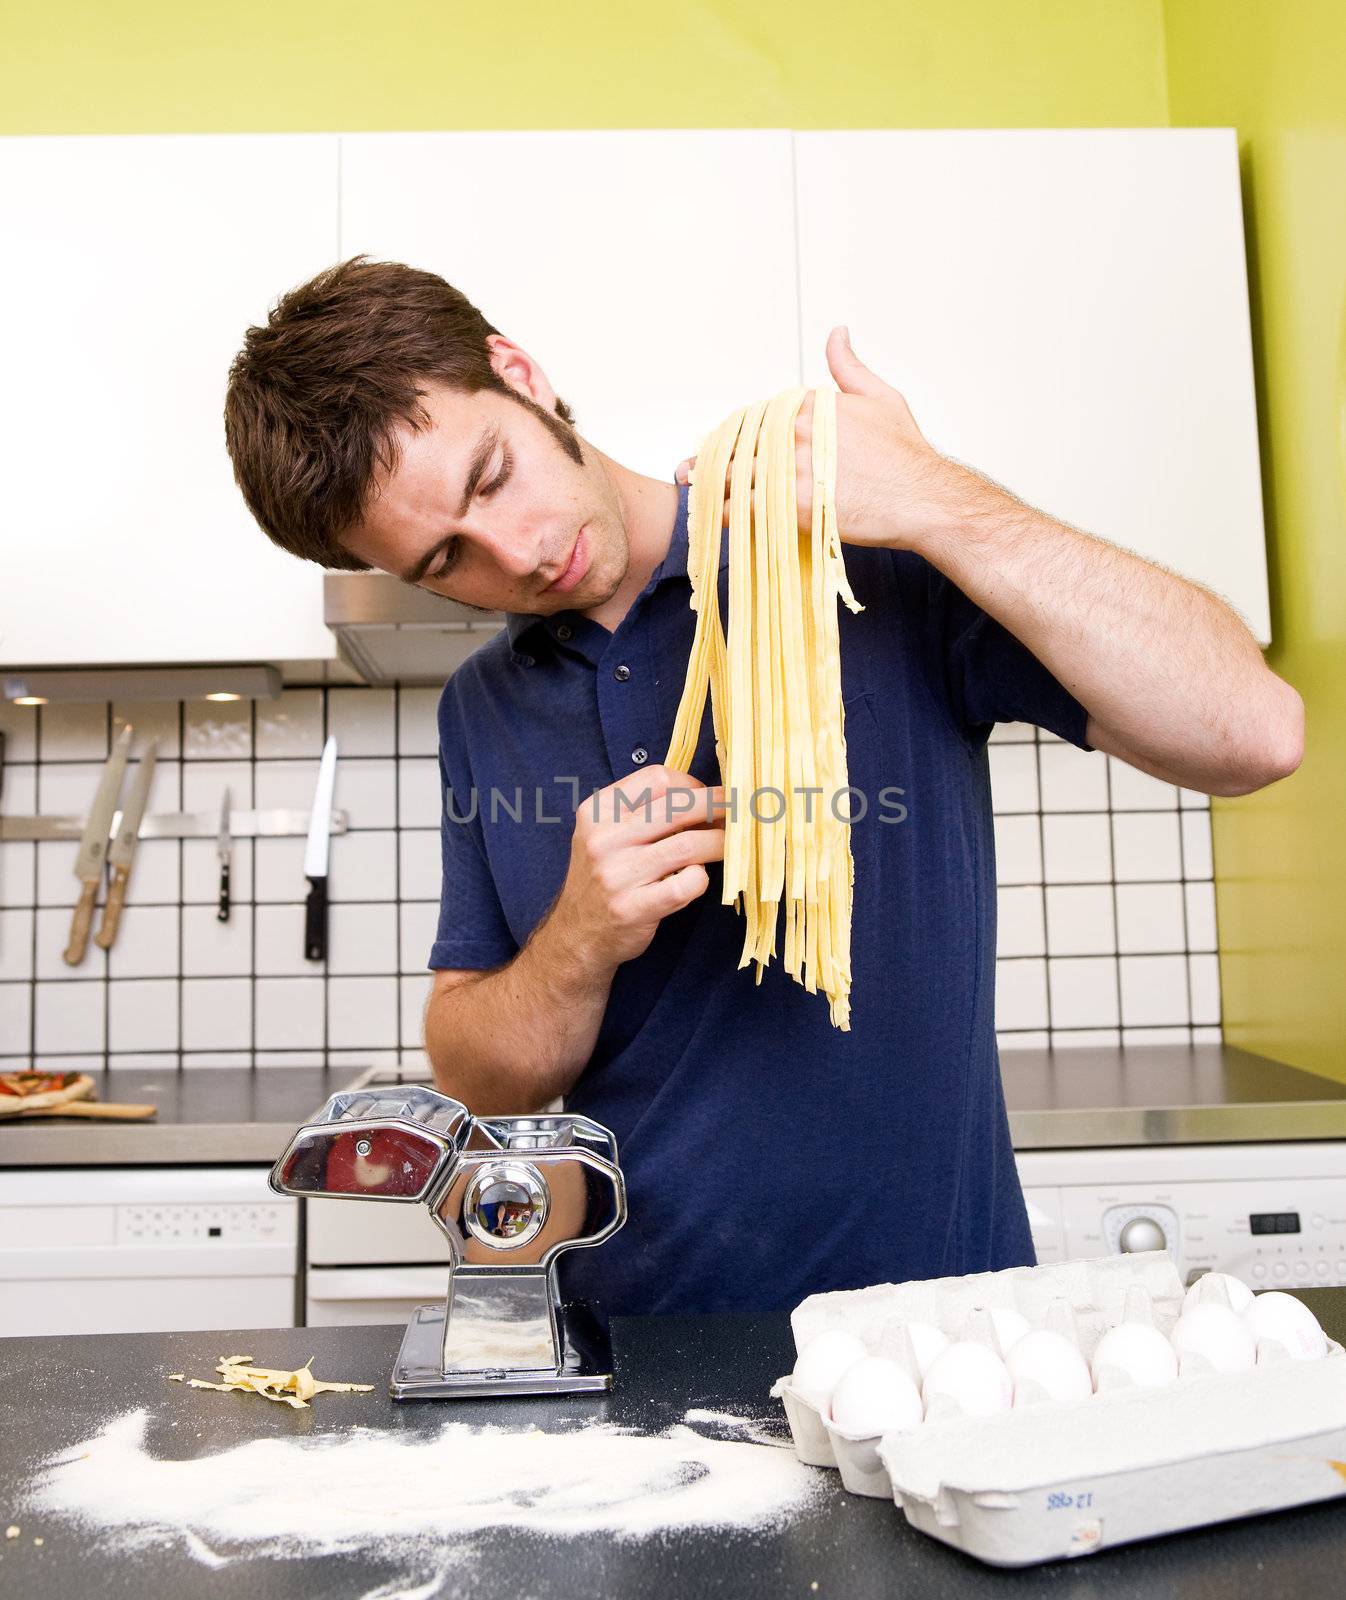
(561,429)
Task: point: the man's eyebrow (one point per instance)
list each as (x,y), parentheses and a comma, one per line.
(481,456)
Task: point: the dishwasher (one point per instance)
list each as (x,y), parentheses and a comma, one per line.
(145,1250)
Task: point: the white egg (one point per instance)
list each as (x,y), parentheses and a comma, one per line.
(1206,1291)
(1047,1366)
(1209,1337)
(821,1362)
(873,1396)
(927,1342)
(1134,1353)
(968,1380)
(1287,1321)
(1010,1326)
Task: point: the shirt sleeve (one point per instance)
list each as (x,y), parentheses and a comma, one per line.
(473,932)
(991,677)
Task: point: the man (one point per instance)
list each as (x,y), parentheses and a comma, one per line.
(379,420)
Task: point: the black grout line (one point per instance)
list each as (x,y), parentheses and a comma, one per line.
(1042,856)
(1112,890)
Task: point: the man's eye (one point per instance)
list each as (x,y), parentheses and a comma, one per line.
(501,477)
(447,561)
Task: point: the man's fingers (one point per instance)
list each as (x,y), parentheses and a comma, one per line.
(654,802)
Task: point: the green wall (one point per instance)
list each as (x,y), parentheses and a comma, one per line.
(1276,70)
(150,66)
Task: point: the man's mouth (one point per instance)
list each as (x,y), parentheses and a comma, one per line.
(575,567)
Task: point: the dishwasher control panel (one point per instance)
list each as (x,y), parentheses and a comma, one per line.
(186,1223)
(1274,1229)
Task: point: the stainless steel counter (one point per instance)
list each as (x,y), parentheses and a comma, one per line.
(1063,1099)
(1164,1094)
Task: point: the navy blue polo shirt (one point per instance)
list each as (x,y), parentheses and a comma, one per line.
(767,1155)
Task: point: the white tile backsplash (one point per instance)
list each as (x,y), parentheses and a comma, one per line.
(419,924)
(143,1015)
(1134,790)
(366,790)
(1077,849)
(147,942)
(362,939)
(16,1001)
(16,944)
(290,725)
(1146,846)
(1018,850)
(1105,891)
(215,949)
(217,1014)
(290,1014)
(363,722)
(19,726)
(1021,929)
(418,722)
(1021,994)
(1154,990)
(363,867)
(217,731)
(150,720)
(70,1017)
(419,801)
(1073,780)
(1150,918)
(1080,920)
(1083,991)
(1197,858)
(419,864)
(73,733)
(362,1011)
(1014,777)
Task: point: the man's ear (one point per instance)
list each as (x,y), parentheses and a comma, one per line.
(518,369)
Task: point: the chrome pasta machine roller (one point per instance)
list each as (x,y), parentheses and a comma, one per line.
(509,1194)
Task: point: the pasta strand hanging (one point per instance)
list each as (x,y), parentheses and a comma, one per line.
(774,682)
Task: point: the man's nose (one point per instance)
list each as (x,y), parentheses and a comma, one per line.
(513,552)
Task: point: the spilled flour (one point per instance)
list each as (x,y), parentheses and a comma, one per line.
(421,1501)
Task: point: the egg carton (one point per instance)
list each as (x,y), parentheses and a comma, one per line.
(1065,1479)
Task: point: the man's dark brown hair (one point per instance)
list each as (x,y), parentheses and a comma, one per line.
(315,395)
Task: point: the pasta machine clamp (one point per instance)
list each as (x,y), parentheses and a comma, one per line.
(509,1194)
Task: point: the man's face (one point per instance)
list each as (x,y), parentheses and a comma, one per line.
(488,507)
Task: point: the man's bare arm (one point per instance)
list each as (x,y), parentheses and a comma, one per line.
(510,1040)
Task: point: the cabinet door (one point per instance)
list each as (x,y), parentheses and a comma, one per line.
(651,273)
(131,268)
(1067,312)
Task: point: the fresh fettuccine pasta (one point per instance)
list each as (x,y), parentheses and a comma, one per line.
(775,688)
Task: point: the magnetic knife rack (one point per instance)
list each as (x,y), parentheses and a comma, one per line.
(274,824)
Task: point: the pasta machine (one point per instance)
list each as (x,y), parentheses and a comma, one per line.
(509,1194)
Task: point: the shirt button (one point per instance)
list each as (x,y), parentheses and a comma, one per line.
(622,673)
(640,755)
(563,630)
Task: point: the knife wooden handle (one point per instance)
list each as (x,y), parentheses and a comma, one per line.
(112,910)
(80,923)
(315,920)
(222,914)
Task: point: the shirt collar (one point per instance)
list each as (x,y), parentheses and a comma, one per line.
(520,624)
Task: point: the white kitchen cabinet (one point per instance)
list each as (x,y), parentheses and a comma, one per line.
(1066,311)
(130,270)
(651,273)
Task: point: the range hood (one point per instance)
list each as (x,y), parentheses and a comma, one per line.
(389,632)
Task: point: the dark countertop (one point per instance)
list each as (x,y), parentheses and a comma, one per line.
(1057,1099)
(62,1391)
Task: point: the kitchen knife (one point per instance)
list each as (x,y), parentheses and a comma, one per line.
(315,857)
(124,845)
(93,846)
(224,848)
